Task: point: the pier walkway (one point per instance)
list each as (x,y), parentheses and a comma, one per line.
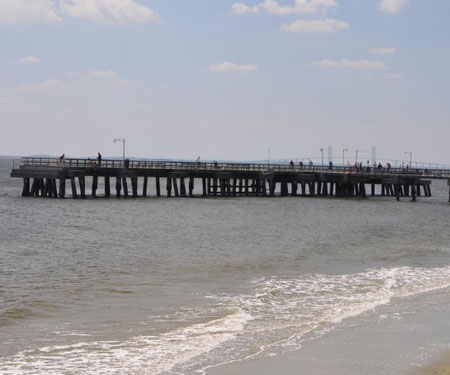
(47,177)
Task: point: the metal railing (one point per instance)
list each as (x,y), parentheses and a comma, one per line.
(34,162)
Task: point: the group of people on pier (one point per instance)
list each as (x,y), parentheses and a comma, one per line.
(95,162)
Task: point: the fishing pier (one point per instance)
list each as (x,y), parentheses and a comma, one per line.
(52,177)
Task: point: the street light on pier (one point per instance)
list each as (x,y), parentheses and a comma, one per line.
(344,150)
(410,157)
(321,150)
(123,143)
(357,152)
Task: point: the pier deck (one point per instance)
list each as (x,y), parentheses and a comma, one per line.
(47,177)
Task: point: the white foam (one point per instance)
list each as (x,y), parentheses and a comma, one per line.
(141,355)
(277,315)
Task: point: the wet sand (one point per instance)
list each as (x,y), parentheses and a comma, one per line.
(437,368)
(404,338)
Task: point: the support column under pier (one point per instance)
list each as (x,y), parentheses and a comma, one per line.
(144,186)
(134,186)
(62,187)
(118,186)
(107,187)
(169,186)
(74,187)
(26,187)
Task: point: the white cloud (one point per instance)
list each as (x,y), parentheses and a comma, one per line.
(350,64)
(320,26)
(274,7)
(110,74)
(28,60)
(109,11)
(18,11)
(382,51)
(392,6)
(48,84)
(394,76)
(227,67)
(240,9)
(74,80)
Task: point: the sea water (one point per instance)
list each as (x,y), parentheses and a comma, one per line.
(179,285)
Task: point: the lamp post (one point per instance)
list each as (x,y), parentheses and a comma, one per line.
(123,143)
(357,152)
(344,150)
(410,157)
(321,150)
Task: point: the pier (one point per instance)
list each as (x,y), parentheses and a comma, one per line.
(52,178)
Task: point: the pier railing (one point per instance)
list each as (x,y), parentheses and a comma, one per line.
(35,162)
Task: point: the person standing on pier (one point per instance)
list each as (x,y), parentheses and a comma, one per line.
(61,160)
(99,160)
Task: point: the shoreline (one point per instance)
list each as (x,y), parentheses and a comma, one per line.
(408,336)
(440,366)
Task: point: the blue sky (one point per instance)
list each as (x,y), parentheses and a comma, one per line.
(225,79)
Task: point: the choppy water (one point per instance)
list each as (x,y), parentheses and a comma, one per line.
(174,286)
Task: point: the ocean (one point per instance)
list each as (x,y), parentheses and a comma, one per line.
(186,286)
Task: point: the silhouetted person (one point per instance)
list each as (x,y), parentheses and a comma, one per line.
(61,159)
(99,160)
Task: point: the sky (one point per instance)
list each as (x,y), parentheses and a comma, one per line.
(226,79)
